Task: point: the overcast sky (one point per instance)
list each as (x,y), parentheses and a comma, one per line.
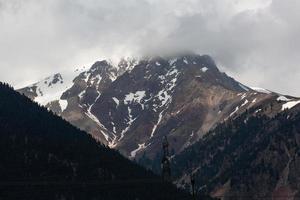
(255,41)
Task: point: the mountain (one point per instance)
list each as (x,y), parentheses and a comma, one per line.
(250,157)
(44,157)
(132,105)
(71,94)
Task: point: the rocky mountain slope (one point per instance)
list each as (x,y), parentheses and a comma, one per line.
(255,156)
(72,94)
(44,157)
(131,106)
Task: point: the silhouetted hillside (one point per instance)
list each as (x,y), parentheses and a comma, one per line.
(251,157)
(44,157)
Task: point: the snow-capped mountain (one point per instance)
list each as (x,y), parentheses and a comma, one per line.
(71,94)
(132,105)
(51,88)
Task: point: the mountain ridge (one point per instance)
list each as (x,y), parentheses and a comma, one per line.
(180,96)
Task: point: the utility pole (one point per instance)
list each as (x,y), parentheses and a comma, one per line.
(192,177)
(165,162)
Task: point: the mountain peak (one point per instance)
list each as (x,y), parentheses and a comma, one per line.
(157,96)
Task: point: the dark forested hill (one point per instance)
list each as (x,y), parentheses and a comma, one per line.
(251,157)
(44,157)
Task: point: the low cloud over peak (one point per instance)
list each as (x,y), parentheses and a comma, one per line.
(255,42)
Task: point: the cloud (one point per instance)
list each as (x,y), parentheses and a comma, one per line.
(254,41)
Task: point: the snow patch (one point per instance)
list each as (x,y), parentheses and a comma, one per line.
(243,96)
(165,95)
(289,105)
(63,104)
(283,98)
(204,69)
(261,90)
(96,120)
(245,102)
(135,98)
(140,147)
(80,95)
(185,61)
(87,76)
(49,90)
(172,61)
(116,101)
(258,110)
(236,109)
(129,123)
(97,78)
(155,126)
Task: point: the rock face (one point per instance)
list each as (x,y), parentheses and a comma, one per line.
(75,93)
(132,105)
(163,97)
